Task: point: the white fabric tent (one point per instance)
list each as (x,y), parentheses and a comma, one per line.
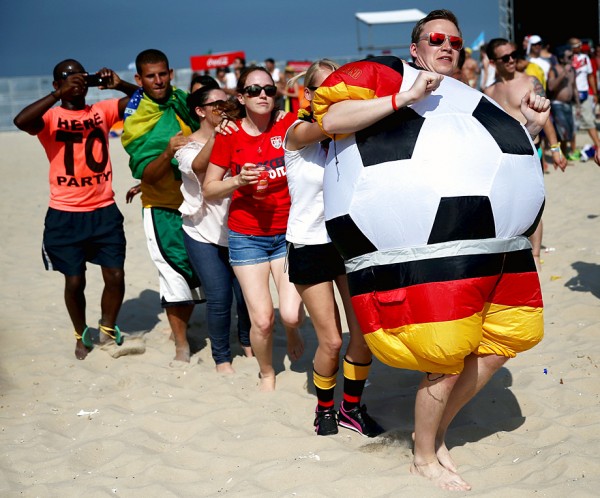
(385,17)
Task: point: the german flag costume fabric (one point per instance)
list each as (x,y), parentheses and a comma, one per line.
(431,208)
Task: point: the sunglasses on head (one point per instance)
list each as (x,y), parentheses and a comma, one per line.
(506,58)
(255,90)
(438,39)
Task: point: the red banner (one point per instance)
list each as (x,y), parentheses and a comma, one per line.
(212,61)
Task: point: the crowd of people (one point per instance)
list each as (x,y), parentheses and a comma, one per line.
(234,189)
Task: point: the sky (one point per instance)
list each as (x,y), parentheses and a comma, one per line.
(37,34)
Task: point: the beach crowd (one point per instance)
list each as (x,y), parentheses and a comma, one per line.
(327,182)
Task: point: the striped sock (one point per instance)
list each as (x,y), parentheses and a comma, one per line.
(355,376)
(325,387)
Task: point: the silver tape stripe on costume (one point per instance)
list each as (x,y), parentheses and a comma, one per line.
(442,250)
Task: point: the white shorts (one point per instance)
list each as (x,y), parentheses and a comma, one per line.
(178,284)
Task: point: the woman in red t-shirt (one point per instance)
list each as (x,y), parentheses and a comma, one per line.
(258,213)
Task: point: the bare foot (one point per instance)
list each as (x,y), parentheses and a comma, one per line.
(266,383)
(80,350)
(443,456)
(248,353)
(182,352)
(440,476)
(225,368)
(295,344)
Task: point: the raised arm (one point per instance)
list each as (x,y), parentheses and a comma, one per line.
(30,118)
(116,83)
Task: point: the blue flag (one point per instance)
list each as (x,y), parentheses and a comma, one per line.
(479,41)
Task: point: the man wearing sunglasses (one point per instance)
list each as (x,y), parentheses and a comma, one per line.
(83,223)
(405,133)
(507,91)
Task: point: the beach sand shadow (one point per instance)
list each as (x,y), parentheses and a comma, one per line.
(587,278)
(390,396)
(141,314)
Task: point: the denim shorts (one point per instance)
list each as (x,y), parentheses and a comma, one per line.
(253,249)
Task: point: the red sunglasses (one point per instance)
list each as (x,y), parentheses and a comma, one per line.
(438,39)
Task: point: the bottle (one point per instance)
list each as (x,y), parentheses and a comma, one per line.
(260,189)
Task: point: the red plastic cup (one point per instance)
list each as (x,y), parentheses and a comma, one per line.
(260,189)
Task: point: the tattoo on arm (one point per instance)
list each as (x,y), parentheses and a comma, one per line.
(538,88)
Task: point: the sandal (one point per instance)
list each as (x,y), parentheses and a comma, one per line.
(84,338)
(113,333)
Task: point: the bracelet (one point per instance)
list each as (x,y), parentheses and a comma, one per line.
(555,146)
(394,105)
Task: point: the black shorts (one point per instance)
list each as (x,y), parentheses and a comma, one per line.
(314,264)
(72,238)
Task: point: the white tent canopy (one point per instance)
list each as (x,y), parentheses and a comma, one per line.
(390,16)
(385,17)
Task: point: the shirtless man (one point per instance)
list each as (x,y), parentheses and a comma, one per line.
(563,92)
(507,91)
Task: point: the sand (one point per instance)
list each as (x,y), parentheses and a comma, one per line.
(137,425)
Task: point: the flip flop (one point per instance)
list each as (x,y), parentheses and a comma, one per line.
(84,337)
(115,334)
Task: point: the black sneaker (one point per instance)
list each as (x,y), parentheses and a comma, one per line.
(326,422)
(359,420)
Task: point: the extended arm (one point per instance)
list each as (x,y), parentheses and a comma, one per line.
(350,116)
(304,134)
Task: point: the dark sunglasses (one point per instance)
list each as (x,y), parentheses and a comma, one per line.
(255,90)
(438,39)
(506,58)
(212,104)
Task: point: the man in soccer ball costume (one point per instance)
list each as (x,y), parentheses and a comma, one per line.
(430,192)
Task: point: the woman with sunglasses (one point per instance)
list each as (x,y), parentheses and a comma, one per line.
(205,230)
(258,220)
(314,265)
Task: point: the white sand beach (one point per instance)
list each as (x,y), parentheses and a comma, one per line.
(139,426)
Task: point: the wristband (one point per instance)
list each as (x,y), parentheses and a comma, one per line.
(555,148)
(394,106)
(54,95)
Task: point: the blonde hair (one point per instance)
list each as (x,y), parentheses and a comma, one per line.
(309,74)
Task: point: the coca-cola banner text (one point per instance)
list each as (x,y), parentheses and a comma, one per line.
(213,61)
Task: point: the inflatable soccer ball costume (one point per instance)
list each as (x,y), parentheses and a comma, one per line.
(431,208)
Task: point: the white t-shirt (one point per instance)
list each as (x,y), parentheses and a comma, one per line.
(230,80)
(204,221)
(582,66)
(304,170)
(276,75)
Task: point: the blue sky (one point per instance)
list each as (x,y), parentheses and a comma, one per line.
(38,34)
